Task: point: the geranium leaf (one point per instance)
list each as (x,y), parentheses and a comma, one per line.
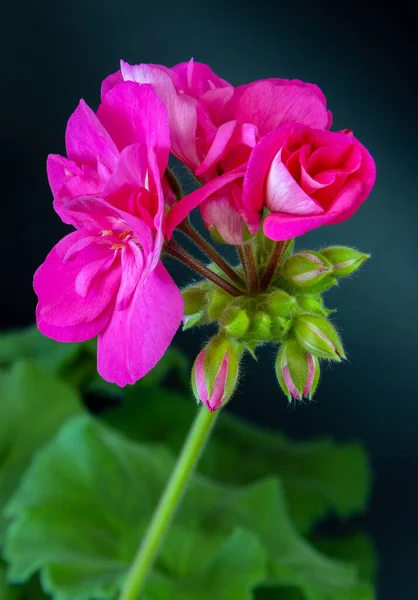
(33,406)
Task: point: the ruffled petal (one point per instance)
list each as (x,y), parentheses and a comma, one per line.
(88,142)
(137,337)
(55,283)
(181,108)
(134,114)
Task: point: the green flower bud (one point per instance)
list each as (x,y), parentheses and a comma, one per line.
(194,300)
(318,336)
(305,269)
(195,320)
(280,303)
(280,326)
(313,304)
(218,302)
(321,286)
(345,260)
(260,328)
(235,321)
(297,371)
(215,373)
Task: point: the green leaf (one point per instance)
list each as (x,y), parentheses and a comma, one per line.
(319,477)
(357,549)
(261,509)
(231,574)
(33,407)
(29,343)
(8,592)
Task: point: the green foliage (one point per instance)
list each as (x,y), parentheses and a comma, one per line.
(319,477)
(82,491)
(33,407)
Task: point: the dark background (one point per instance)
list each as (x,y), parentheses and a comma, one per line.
(363,57)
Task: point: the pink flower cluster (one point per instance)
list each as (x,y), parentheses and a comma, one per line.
(265,145)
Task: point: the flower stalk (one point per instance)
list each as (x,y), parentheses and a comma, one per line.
(250,267)
(169,502)
(176,251)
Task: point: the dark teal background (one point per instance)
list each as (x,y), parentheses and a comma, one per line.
(363,57)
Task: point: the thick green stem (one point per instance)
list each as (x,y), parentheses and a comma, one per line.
(187,228)
(190,454)
(178,252)
(250,267)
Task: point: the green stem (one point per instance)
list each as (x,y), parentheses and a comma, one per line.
(249,264)
(178,252)
(190,454)
(187,228)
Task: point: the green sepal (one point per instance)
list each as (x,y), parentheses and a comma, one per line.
(318,336)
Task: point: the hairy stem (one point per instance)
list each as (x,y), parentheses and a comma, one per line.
(175,250)
(147,552)
(187,228)
(249,265)
(276,255)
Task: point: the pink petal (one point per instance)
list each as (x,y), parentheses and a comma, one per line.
(218,390)
(133,114)
(269,106)
(221,212)
(283,194)
(87,141)
(110,83)
(180,210)
(74,333)
(55,284)
(196,78)
(132,267)
(136,338)
(181,108)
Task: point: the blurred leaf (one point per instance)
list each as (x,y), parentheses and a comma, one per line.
(231,574)
(8,592)
(83,506)
(29,343)
(33,406)
(261,509)
(173,360)
(319,477)
(357,549)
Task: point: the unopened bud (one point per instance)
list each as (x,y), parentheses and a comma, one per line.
(218,301)
(305,269)
(313,304)
(235,321)
(215,373)
(280,326)
(260,328)
(344,260)
(194,300)
(297,371)
(195,320)
(280,303)
(318,336)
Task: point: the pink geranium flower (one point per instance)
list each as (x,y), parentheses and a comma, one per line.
(306,178)
(214,128)
(105,279)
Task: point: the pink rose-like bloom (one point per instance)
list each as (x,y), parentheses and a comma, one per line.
(106,278)
(214,128)
(306,178)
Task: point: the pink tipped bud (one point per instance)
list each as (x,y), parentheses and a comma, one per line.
(215,373)
(297,371)
(306,269)
(317,336)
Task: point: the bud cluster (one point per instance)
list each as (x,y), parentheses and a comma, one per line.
(289,313)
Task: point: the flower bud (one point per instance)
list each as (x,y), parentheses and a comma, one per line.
(305,269)
(297,371)
(344,260)
(195,320)
(318,336)
(280,326)
(313,304)
(235,321)
(260,328)
(194,300)
(219,300)
(215,373)
(280,303)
